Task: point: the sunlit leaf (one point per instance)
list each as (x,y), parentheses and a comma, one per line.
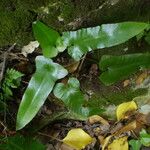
(47,38)
(77,138)
(123,108)
(145,138)
(39,87)
(74,99)
(116,68)
(107,35)
(119,144)
(19,142)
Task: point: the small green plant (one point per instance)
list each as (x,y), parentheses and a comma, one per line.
(77,43)
(144,140)
(11,80)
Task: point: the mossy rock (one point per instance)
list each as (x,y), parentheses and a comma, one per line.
(16,16)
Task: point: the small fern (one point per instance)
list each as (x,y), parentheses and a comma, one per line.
(11,80)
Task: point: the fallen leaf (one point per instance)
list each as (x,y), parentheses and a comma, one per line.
(96,118)
(141,78)
(143,119)
(129,127)
(29,48)
(119,144)
(73,66)
(105,142)
(123,108)
(126,83)
(77,138)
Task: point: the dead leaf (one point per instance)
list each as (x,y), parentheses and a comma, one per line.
(119,144)
(124,108)
(72,67)
(29,48)
(141,78)
(143,119)
(77,138)
(95,119)
(105,142)
(126,83)
(129,127)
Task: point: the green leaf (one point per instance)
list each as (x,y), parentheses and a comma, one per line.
(73,98)
(135,144)
(145,138)
(116,68)
(19,142)
(39,87)
(107,35)
(47,38)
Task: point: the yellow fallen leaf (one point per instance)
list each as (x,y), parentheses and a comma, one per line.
(119,144)
(77,138)
(123,108)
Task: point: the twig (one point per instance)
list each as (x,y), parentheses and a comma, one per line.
(43,134)
(4,61)
(81,64)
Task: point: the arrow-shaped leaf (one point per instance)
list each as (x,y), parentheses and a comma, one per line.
(39,87)
(116,68)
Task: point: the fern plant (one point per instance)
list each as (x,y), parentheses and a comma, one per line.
(77,43)
(12,80)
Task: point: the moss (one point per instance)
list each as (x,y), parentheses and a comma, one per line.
(115,98)
(17,15)
(15,26)
(59,9)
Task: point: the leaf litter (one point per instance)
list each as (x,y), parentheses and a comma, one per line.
(98,132)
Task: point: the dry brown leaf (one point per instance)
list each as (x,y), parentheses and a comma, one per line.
(105,142)
(141,78)
(129,127)
(72,67)
(29,48)
(126,83)
(97,119)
